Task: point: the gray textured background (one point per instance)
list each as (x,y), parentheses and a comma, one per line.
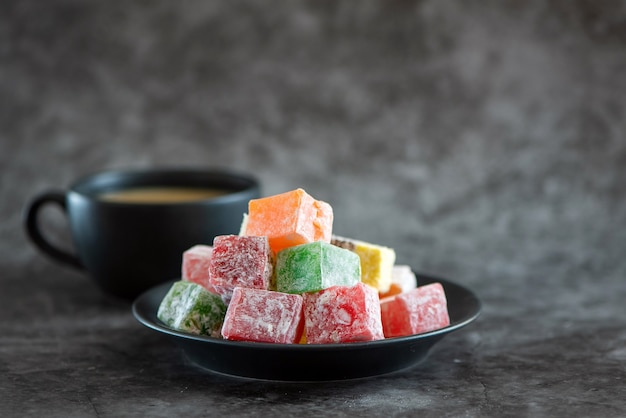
(484,140)
(488,136)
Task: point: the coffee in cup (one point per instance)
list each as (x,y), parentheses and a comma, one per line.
(131,227)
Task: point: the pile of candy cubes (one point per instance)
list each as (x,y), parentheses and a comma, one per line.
(285,278)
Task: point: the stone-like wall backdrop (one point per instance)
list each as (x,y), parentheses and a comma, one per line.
(484,140)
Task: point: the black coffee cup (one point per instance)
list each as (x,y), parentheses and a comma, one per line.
(128,247)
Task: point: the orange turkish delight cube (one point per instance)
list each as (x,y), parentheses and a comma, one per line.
(288,219)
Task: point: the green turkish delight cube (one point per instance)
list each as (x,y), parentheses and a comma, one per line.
(189,307)
(315,266)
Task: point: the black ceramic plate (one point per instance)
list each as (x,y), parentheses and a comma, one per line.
(310,362)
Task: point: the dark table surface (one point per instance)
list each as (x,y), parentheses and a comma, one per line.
(485,142)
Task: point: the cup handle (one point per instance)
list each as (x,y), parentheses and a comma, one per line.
(31,222)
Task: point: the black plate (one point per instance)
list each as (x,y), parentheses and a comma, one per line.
(310,362)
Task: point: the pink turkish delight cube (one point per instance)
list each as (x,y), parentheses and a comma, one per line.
(195,266)
(420,310)
(263,316)
(341,314)
(244,261)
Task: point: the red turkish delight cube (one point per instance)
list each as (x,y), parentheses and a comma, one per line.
(263,316)
(340,314)
(420,310)
(195,266)
(244,261)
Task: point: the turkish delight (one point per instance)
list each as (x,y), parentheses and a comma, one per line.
(190,307)
(289,219)
(420,310)
(315,266)
(195,266)
(377,261)
(403,279)
(285,278)
(264,316)
(240,261)
(342,314)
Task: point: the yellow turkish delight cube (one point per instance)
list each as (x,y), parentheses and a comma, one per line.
(377,261)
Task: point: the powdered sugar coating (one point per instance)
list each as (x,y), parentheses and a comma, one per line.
(316,266)
(244,261)
(288,219)
(191,308)
(263,316)
(420,310)
(341,314)
(195,266)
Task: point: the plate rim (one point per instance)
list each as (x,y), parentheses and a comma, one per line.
(152,322)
